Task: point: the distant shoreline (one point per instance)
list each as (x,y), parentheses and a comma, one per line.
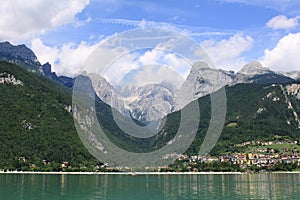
(146,173)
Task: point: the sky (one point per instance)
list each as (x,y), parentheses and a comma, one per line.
(231,32)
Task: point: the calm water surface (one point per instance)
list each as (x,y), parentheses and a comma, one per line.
(144,187)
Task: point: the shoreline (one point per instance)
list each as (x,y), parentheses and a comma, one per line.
(146,173)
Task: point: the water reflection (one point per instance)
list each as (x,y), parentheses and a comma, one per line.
(156,187)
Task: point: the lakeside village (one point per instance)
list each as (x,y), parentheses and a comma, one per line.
(251,156)
(257,156)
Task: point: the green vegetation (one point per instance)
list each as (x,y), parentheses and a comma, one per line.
(251,116)
(197,166)
(279,147)
(34,124)
(285,167)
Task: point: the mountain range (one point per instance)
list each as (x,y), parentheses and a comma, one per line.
(152,102)
(36,120)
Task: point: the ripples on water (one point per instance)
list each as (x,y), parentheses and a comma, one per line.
(144,187)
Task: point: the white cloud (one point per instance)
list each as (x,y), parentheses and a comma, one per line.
(65,60)
(113,62)
(158,74)
(44,53)
(227,53)
(21,20)
(282,22)
(172,68)
(191,31)
(120,67)
(121,60)
(285,56)
(151,66)
(160,57)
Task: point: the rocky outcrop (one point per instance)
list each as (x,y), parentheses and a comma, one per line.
(293,74)
(254,68)
(48,71)
(293,89)
(20,55)
(18,52)
(6,78)
(150,102)
(203,80)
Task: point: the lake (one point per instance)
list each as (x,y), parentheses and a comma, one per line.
(144,187)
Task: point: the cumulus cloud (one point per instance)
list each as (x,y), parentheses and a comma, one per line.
(44,53)
(158,74)
(65,60)
(153,65)
(227,52)
(21,20)
(69,58)
(126,56)
(171,68)
(121,66)
(285,55)
(157,56)
(282,22)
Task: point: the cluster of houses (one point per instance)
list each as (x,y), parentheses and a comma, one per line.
(259,157)
(261,160)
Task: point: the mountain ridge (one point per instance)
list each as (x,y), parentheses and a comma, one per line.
(44,128)
(201,80)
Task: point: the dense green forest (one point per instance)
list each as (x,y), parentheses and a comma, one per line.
(35,125)
(254,112)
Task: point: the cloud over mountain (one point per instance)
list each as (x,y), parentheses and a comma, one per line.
(285,55)
(227,52)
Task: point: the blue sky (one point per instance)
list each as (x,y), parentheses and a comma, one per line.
(214,15)
(232,32)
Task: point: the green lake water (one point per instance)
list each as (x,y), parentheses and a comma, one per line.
(144,187)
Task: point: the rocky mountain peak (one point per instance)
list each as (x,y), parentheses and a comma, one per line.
(150,102)
(46,68)
(202,80)
(20,55)
(198,66)
(146,103)
(19,51)
(254,68)
(104,89)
